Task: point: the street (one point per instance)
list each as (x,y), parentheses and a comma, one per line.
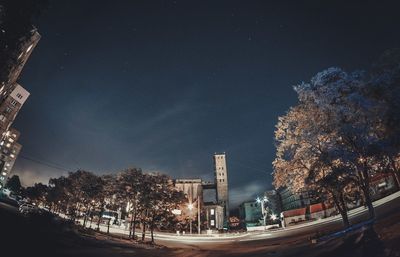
(383,207)
(23,236)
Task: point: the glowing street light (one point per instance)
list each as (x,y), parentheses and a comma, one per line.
(262,201)
(273,217)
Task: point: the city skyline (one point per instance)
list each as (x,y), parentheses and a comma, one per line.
(163,91)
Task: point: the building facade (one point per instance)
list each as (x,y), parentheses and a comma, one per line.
(216,210)
(9,150)
(273,204)
(192,188)
(18,60)
(214,216)
(10,107)
(221,182)
(250,213)
(294,200)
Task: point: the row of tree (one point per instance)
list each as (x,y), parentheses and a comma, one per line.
(147,199)
(344,130)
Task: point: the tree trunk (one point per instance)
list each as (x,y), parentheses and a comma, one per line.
(130,227)
(364,186)
(98,222)
(86,216)
(343,212)
(368,200)
(143,231)
(151,231)
(341,206)
(134,226)
(108,226)
(396,179)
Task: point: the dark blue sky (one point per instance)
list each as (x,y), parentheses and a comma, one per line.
(162,85)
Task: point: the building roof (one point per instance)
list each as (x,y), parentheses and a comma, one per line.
(295,212)
(377,177)
(316,207)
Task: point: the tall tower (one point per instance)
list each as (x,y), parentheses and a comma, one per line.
(221,181)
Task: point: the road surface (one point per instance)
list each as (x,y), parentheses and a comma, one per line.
(383,207)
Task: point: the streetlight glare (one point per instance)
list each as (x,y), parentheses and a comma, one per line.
(273,217)
(190,206)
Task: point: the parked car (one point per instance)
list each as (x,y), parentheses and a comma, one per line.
(27,208)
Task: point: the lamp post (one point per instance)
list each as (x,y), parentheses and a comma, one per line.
(198,216)
(263,212)
(190,207)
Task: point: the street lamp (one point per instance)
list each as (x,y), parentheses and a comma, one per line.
(263,212)
(190,207)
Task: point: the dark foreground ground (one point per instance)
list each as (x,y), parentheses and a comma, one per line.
(48,236)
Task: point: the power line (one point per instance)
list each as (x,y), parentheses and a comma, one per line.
(45,163)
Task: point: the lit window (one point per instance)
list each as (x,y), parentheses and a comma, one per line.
(12,156)
(1,177)
(212,211)
(29,48)
(8,144)
(212,222)
(14,102)
(11,140)
(3,173)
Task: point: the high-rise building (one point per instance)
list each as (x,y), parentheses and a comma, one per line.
(13,95)
(17,62)
(221,181)
(10,106)
(9,150)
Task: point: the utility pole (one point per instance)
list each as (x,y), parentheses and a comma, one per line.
(198,215)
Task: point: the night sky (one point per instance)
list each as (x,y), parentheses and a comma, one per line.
(162,85)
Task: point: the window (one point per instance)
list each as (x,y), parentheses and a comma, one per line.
(212,223)
(2,118)
(212,211)
(8,110)
(29,48)
(14,102)
(19,96)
